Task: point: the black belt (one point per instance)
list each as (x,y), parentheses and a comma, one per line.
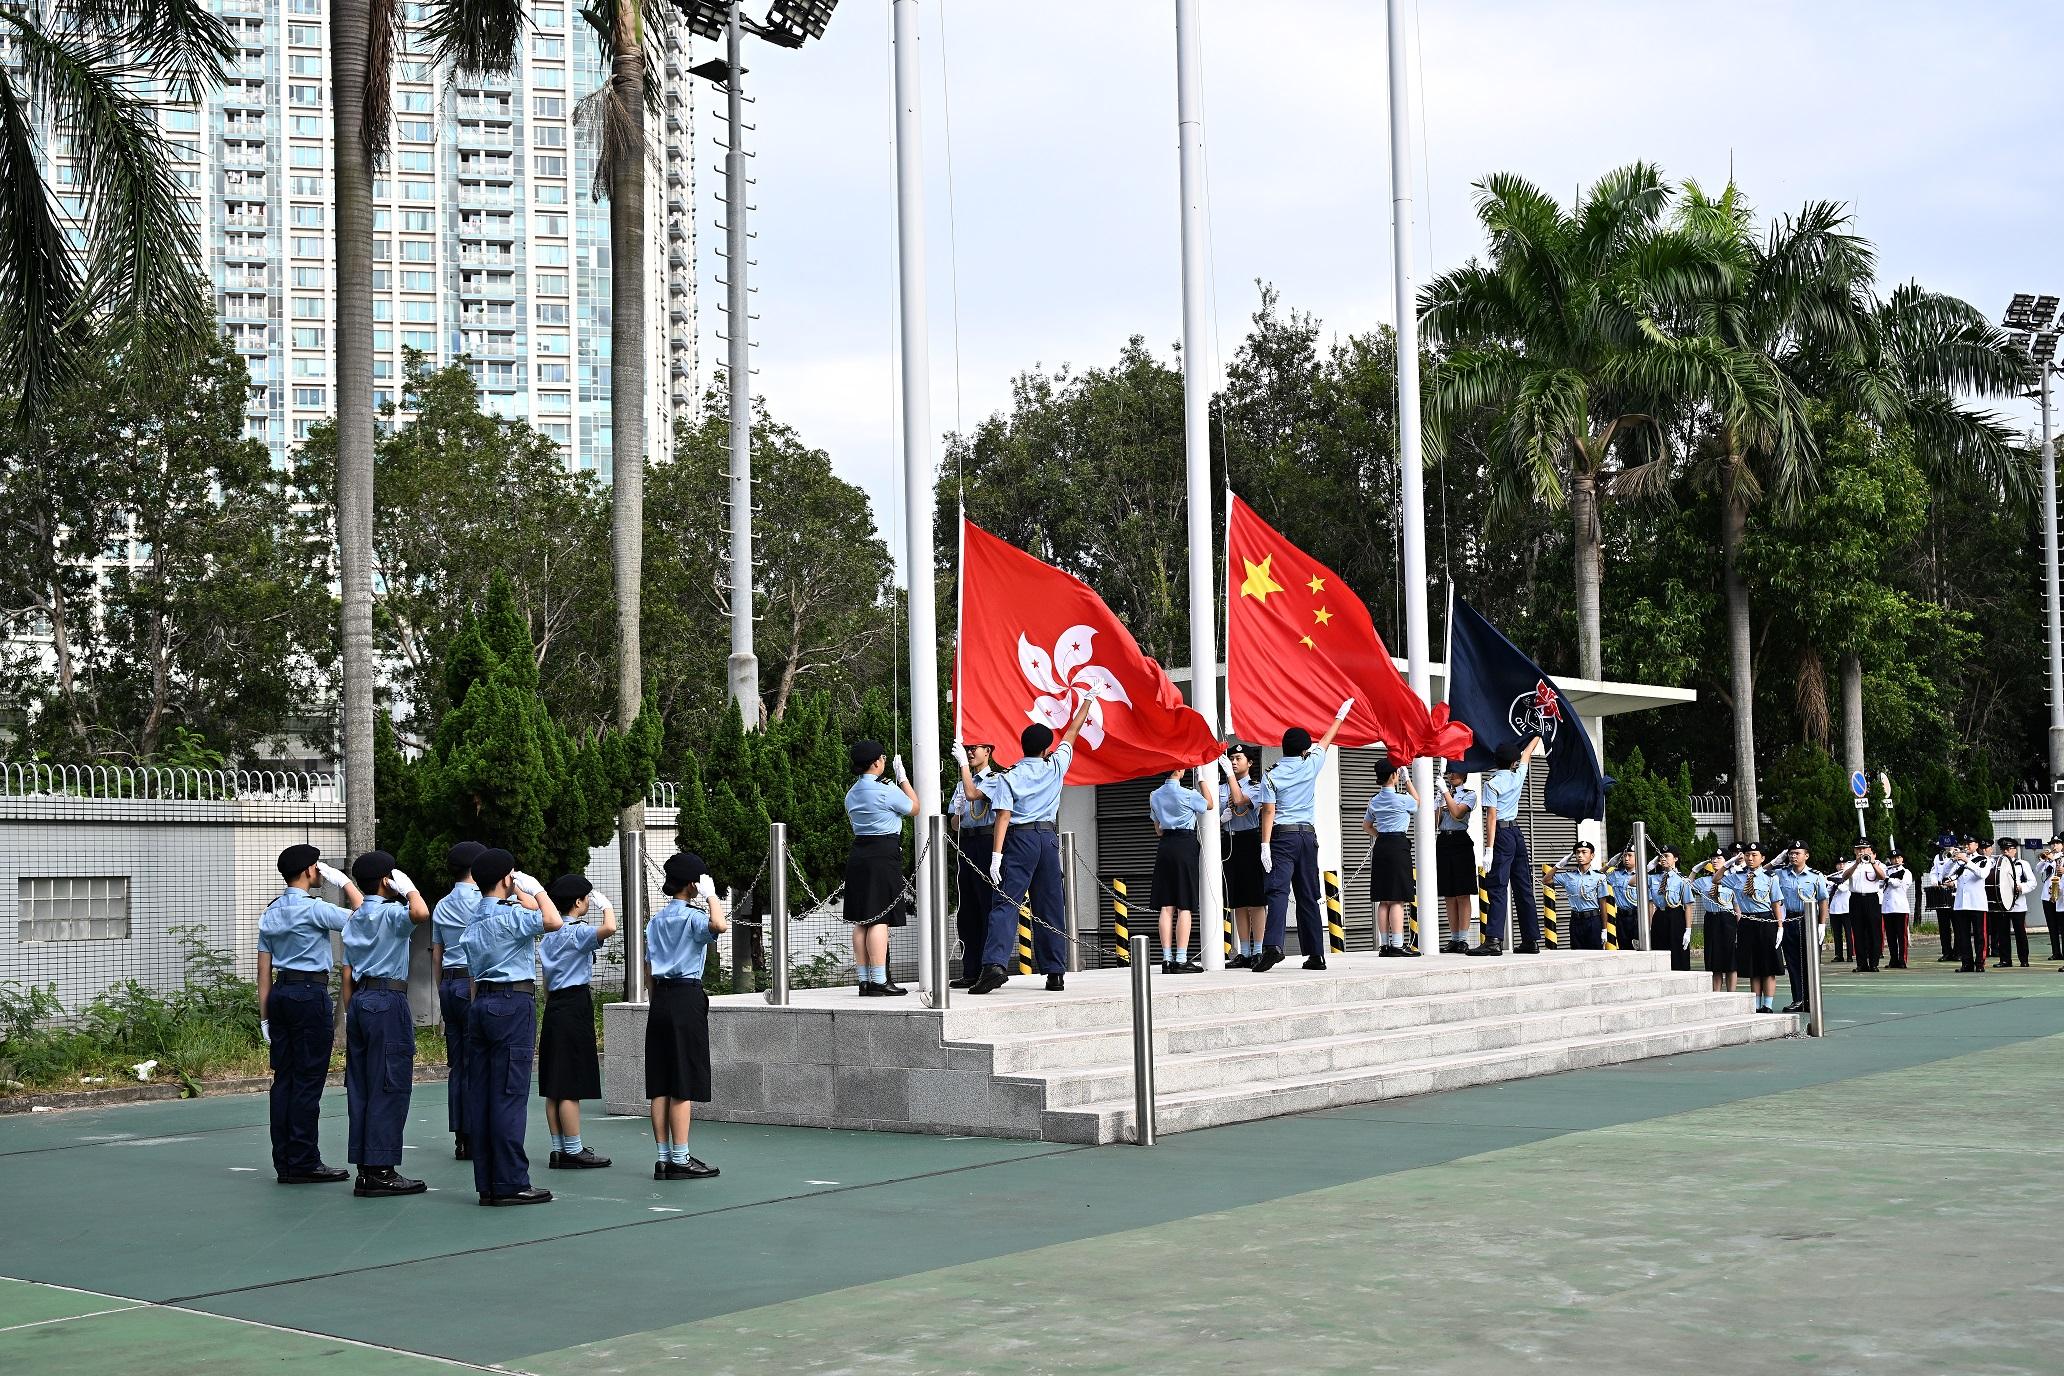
(682,982)
(1282,827)
(505,986)
(969,834)
(1034,826)
(396,986)
(300,976)
(453,972)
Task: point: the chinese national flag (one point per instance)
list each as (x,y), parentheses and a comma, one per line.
(1032,639)
(1299,643)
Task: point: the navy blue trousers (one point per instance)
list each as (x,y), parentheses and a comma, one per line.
(302,1035)
(1294,868)
(1793,944)
(971,918)
(455,998)
(1031,866)
(1512,879)
(501,1049)
(1587,929)
(379,1071)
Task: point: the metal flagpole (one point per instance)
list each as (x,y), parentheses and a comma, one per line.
(917,469)
(744,664)
(1412,494)
(2051,610)
(1189,117)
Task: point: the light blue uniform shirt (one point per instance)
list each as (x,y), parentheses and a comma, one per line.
(1390,812)
(1464,796)
(376,940)
(677,940)
(1752,892)
(448,922)
(1581,890)
(1176,808)
(568,955)
(295,930)
(1797,890)
(1621,882)
(876,807)
(500,941)
(1668,890)
(1714,893)
(1032,786)
(1249,817)
(1502,789)
(1295,783)
(979,812)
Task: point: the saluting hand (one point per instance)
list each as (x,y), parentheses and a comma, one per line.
(332,876)
(705,888)
(403,885)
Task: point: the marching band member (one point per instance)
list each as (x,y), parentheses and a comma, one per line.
(1899,907)
(1965,875)
(2012,880)
(1866,879)
(1940,894)
(2050,870)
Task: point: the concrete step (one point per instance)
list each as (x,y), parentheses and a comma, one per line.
(1034,1052)
(1111,1120)
(1273,1061)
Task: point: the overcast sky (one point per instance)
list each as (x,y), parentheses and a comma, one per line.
(1936,122)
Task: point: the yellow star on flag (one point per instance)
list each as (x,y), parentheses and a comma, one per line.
(1260,583)
(1322,616)
(1306,641)
(1317,584)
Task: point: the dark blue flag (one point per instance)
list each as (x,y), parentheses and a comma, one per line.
(1504,698)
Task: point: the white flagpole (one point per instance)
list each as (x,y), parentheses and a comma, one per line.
(1189,115)
(1411,469)
(917,468)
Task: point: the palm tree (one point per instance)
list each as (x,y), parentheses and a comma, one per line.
(1559,341)
(91,68)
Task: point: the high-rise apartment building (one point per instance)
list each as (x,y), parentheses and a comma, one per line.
(487,241)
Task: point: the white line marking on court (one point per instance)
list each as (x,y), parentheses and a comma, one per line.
(67,1318)
(820,1182)
(240,1169)
(661,1209)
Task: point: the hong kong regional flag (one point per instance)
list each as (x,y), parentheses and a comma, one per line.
(1299,642)
(1032,641)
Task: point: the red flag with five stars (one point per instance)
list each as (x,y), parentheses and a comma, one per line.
(1299,642)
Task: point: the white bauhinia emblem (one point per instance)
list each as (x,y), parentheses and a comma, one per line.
(1063,676)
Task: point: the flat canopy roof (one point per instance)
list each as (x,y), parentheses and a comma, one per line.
(1591,697)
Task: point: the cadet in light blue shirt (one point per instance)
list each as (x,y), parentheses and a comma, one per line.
(569,1063)
(677,1058)
(1240,801)
(973,808)
(1712,886)
(1626,914)
(1175,810)
(1583,889)
(874,807)
(454,984)
(1511,868)
(379,1032)
(501,951)
(1290,846)
(1025,862)
(1389,812)
(1388,821)
(294,1009)
(1757,947)
(1669,910)
(1454,854)
(875,887)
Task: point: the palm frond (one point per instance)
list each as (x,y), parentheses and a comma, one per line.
(1970,450)
(181,41)
(377,113)
(39,279)
(481,37)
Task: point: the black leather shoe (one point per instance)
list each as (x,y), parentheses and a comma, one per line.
(888,988)
(1527,948)
(1487,950)
(989,981)
(1314,962)
(1240,962)
(1456,948)
(533,1195)
(691,1169)
(582,1160)
(321,1175)
(1944,960)
(1269,959)
(1188,967)
(1168,967)
(1798,1007)
(385,1183)
(462,1150)
(963,982)
(1390,951)
(1056,985)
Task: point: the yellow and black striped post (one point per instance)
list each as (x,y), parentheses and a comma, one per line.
(1121,922)
(1609,905)
(1228,919)
(1483,906)
(1336,928)
(1551,929)
(1412,914)
(1024,939)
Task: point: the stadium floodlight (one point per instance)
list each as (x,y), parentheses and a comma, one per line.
(791,22)
(2032,318)
(2044,349)
(2045,313)
(2020,312)
(705,18)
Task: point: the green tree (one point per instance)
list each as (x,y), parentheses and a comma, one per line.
(1661,802)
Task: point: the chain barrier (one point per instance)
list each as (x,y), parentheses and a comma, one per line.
(743,900)
(907,894)
(1024,908)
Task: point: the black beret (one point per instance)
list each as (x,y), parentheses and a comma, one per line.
(683,868)
(1799,845)
(369,869)
(1586,845)
(569,889)
(2010,841)
(459,859)
(1666,850)
(294,860)
(1756,846)
(864,754)
(1296,741)
(1035,739)
(1736,847)
(491,867)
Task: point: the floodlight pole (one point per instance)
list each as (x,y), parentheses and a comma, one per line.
(1411,469)
(744,664)
(917,471)
(1189,123)
(2055,618)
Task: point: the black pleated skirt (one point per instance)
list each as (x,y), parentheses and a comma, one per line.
(874,882)
(569,1066)
(1390,868)
(1720,933)
(1454,864)
(1757,954)
(1246,884)
(677,1064)
(1175,872)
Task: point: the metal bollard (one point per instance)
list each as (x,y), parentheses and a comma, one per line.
(932,871)
(777,914)
(741,947)
(1641,882)
(630,856)
(1142,1045)
(1071,909)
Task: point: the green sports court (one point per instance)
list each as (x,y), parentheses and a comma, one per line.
(1883,1201)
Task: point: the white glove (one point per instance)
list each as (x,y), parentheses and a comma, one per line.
(1268,859)
(705,888)
(960,755)
(601,900)
(1687,938)
(332,876)
(525,883)
(996,869)
(265,1030)
(1092,692)
(897,766)
(1345,708)
(403,885)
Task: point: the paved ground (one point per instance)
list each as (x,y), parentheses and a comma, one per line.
(1885,1201)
